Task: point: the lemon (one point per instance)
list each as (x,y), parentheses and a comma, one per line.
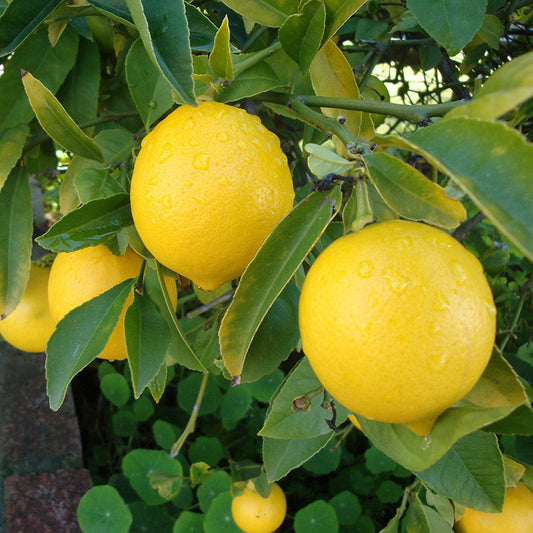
(30,325)
(209,185)
(79,276)
(398,322)
(255,514)
(516,516)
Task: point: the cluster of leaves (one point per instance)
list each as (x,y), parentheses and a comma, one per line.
(98,74)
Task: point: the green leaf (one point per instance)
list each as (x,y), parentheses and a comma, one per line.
(116,389)
(323,161)
(452,23)
(337,13)
(201,29)
(276,338)
(165,35)
(220,58)
(508,87)
(214,483)
(50,65)
(189,522)
(347,507)
(188,392)
(421,518)
(79,337)
(271,13)
(234,407)
(316,517)
(15,239)
(150,91)
(271,269)
(95,222)
(491,163)
(471,473)
(114,9)
(158,385)
(218,518)
(281,456)
(411,194)
(285,421)
(116,145)
(147,341)
(208,449)
(57,122)
(491,31)
(79,93)
(497,394)
(140,464)
(254,80)
(20,19)
(11,144)
(301,34)
(102,510)
(93,183)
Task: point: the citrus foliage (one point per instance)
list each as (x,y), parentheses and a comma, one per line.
(82,83)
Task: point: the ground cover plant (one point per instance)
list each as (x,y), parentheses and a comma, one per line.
(290,248)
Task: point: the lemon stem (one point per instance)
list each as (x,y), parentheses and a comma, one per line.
(191,424)
(256,58)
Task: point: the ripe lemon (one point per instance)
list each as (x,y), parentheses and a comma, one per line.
(209,185)
(255,514)
(79,276)
(30,325)
(398,322)
(516,516)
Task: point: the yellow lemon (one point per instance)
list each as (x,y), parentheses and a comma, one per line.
(516,516)
(255,514)
(30,325)
(79,276)
(209,185)
(398,322)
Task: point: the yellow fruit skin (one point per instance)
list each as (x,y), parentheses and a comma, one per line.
(516,516)
(209,185)
(255,514)
(398,322)
(30,325)
(79,276)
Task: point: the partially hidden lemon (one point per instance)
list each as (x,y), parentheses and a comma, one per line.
(398,322)
(30,325)
(209,185)
(79,276)
(516,515)
(255,514)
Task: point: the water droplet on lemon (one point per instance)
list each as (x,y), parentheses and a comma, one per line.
(200,161)
(365,269)
(397,282)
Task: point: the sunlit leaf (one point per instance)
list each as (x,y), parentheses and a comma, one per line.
(270,13)
(220,58)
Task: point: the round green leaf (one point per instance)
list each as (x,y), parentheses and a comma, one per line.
(189,523)
(115,388)
(316,517)
(188,391)
(124,423)
(376,461)
(102,510)
(214,485)
(147,519)
(206,449)
(235,405)
(364,525)
(347,507)
(184,498)
(104,368)
(219,519)
(143,409)
(389,492)
(165,434)
(263,389)
(324,462)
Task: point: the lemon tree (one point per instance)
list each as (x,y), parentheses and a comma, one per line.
(274,222)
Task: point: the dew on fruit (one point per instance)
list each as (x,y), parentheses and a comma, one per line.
(222,137)
(200,161)
(166,153)
(458,272)
(167,202)
(437,361)
(440,303)
(365,269)
(241,145)
(397,282)
(189,125)
(403,243)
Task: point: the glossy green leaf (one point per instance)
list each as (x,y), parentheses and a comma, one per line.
(470,473)
(421,518)
(20,19)
(254,80)
(50,65)
(337,13)
(80,91)
(115,388)
(452,23)
(180,349)
(220,58)
(140,464)
(102,510)
(301,34)
(271,269)
(95,222)
(79,337)
(491,31)
(323,161)
(316,517)
(281,456)
(114,9)
(15,239)
(11,144)
(116,145)
(411,194)
(201,29)
(93,183)
(271,13)
(57,122)
(158,385)
(276,338)
(147,341)
(150,91)
(507,88)
(165,35)
(497,394)
(284,421)
(68,195)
